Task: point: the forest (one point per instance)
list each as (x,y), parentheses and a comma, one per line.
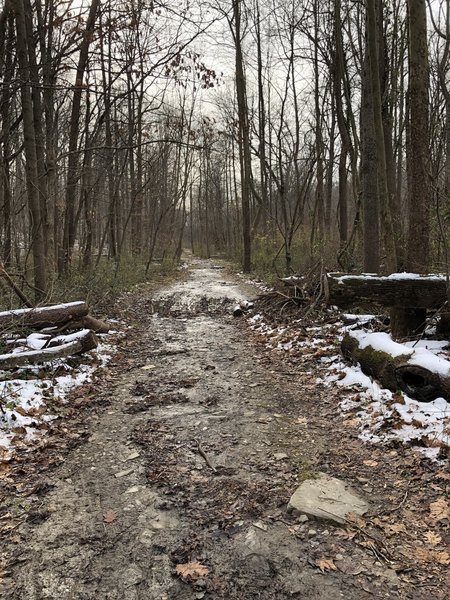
(224,299)
(279,134)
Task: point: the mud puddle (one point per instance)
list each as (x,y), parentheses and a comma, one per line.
(181,490)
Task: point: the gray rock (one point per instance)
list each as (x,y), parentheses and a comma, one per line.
(303,519)
(327,498)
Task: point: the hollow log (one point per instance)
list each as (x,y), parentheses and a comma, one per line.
(43,316)
(83,342)
(417,372)
(398,290)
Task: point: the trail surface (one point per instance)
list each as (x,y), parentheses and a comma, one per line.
(180,491)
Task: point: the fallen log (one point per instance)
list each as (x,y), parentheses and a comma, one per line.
(406,290)
(87,322)
(78,343)
(417,372)
(43,316)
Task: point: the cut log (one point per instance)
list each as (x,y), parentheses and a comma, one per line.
(406,290)
(43,316)
(417,372)
(87,322)
(76,344)
(242,307)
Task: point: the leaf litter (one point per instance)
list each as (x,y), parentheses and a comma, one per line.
(382,440)
(356,551)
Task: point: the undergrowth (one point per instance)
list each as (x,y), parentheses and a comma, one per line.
(98,285)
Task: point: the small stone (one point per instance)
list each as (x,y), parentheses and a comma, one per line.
(339,557)
(132,456)
(312,532)
(280,456)
(124,473)
(303,519)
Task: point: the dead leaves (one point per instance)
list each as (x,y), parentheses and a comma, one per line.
(110,516)
(326,564)
(355,519)
(439,510)
(191,571)
(430,556)
(432,538)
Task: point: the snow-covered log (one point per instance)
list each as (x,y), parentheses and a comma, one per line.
(77,343)
(416,371)
(43,316)
(406,290)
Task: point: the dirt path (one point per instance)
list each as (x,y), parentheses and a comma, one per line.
(192,460)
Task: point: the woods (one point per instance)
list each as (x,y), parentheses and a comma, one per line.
(277,135)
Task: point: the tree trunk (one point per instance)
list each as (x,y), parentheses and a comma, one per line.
(31,167)
(73,158)
(374,63)
(244,138)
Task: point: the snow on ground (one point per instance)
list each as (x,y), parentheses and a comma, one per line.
(380,415)
(28,395)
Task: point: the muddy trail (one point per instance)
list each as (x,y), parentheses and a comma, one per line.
(193,444)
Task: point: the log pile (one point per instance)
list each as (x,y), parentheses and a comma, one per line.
(50,343)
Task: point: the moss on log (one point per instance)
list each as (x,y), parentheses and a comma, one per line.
(399,371)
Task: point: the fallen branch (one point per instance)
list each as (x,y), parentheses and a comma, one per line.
(80,343)
(204,456)
(6,276)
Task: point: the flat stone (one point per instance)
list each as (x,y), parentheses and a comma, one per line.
(327,498)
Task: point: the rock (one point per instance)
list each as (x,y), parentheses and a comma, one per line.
(303,519)
(328,498)
(280,456)
(312,532)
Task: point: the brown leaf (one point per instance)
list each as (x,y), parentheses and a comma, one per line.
(439,510)
(356,519)
(5,470)
(352,422)
(192,570)
(370,463)
(22,411)
(432,556)
(347,566)
(346,534)
(326,564)
(391,528)
(19,430)
(443,558)
(109,516)
(433,538)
